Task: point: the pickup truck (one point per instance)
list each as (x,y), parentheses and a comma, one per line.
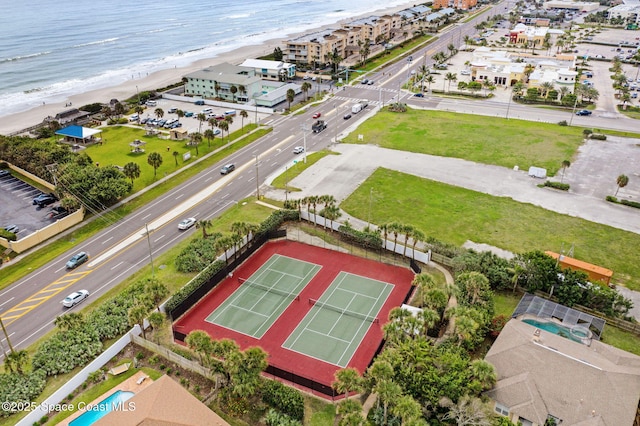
(318,126)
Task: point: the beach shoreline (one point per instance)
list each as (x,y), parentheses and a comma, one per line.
(22,120)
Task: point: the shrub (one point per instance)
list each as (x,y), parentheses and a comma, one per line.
(153,360)
(139,356)
(611,199)
(557,185)
(283,398)
(68,349)
(598,136)
(20,388)
(631,203)
(563,123)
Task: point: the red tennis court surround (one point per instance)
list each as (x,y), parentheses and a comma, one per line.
(332,263)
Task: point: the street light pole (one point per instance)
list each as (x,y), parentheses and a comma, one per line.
(304,139)
(4,330)
(146,226)
(369,215)
(257,180)
(573,112)
(335,108)
(509,103)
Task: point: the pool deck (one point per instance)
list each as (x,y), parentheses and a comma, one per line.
(134,384)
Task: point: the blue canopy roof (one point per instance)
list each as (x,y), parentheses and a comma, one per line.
(77,132)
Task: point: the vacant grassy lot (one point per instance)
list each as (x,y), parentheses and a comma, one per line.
(488,140)
(455,215)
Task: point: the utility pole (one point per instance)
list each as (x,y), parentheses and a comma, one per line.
(146,226)
(257,180)
(4,330)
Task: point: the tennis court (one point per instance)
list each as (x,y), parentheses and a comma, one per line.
(264,296)
(337,323)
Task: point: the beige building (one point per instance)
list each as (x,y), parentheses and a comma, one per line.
(541,376)
(317,47)
(504,68)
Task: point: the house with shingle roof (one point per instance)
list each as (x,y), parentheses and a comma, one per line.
(542,375)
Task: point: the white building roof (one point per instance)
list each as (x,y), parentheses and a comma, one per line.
(264,64)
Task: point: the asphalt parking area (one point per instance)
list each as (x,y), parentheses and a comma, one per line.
(16,199)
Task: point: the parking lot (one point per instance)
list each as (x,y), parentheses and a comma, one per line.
(190,121)
(16,199)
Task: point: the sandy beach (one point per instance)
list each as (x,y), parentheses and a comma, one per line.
(22,120)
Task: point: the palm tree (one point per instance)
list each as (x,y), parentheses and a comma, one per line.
(350,412)
(201,119)
(176,154)
(131,170)
(137,313)
(622,181)
(243,114)
(158,112)
(388,392)
(291,94)
(200,342)
(465,327)
(196,138)
(306,86)
(224,127)
(423,282)
(483,373)
(348,380)
(430,80)
(452,49)
(331,212)
(450,77)
(546,87)
(203,224)
(156,319)
(139,110)
(407,408)
(417,236)
(565,166)
(229,119)
(528,70)
(233,89)
(154,160)
(209,134)
(180,114)
(17,361)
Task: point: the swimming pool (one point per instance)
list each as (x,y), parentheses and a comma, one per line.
(561,331)
(101,409)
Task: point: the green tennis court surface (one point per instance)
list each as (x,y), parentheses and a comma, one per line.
(262,297)
(336,324)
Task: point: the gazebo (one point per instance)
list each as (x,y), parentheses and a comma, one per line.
(137,146)
(79,135)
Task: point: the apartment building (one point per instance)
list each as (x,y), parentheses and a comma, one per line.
(455,4)
(224,81)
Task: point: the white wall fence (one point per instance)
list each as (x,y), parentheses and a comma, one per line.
(419,256)
(226,105)
(77,380)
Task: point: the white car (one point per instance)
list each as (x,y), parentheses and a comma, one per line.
(298,150)
(465,72)
(187,223)
(74,298)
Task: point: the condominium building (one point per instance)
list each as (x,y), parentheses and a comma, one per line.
(629,12)
(224,81)
(455,4)
(270,70)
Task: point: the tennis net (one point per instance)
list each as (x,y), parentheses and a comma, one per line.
(343,311)
(267,289)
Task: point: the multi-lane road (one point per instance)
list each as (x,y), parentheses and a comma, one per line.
(29,306)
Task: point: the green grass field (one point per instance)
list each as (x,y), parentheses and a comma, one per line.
(116,151)
(487,140)
(455,215)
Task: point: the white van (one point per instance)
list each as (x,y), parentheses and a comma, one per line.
(207,110)
(151,103)
(231,112)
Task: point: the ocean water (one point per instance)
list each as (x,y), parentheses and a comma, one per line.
(51,50)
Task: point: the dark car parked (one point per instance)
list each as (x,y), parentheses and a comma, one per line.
(43,200)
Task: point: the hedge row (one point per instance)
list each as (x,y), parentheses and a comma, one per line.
(633,204)
(193,285)
(283,398)
(557,185)
(367,239)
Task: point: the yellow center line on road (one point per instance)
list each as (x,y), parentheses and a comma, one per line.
(41,296)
